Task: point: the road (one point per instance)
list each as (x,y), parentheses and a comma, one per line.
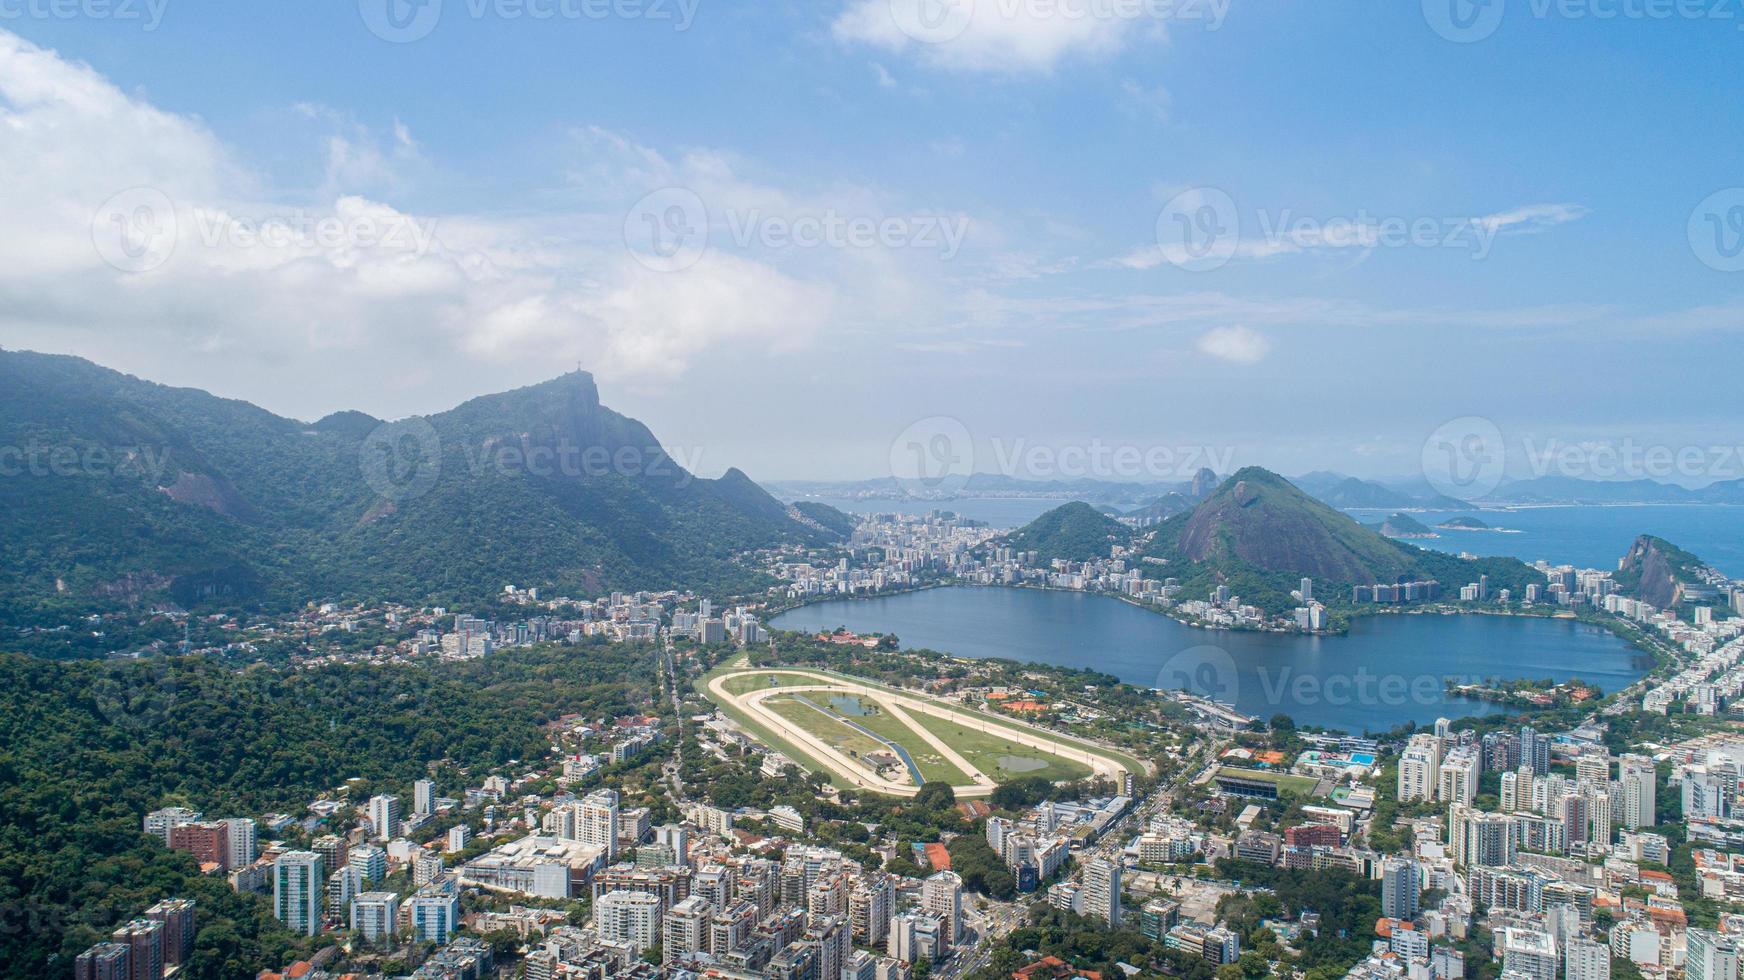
(674,769)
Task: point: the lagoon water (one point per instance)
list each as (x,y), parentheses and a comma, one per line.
(1387,671)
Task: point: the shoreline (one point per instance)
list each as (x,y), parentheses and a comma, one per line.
(1610,624)
(1640,642)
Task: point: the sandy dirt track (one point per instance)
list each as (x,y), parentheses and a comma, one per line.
(899,706)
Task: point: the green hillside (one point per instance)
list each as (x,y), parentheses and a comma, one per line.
(1072,532)
(1260,535)
(125,492)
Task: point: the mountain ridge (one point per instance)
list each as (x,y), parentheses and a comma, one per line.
(178,494)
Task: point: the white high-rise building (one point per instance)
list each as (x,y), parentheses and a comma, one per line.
(434,911)
(676,837)
(243,846)
(1510,791)
(1478,839)
(628,917)
(299,891)
(158,823)
(942,895)
(903,937)
(423,797)
(1420,768)
(376,915)
(1593,767)
(1711,956)
(1102,891)
(869,907)
(1704,795)
(597,822)
(1586,960)
(997,829)
(384,815)
(1458,779)
(1638,776)
(1599,815)
(344,885)
(1401,888)
(1528,952)
(685,930)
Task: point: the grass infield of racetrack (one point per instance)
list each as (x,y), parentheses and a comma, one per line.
(983,750)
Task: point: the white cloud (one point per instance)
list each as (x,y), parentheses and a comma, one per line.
(1237,345)
(1152,100)
(1534,217)
(1011,36)
(336,281)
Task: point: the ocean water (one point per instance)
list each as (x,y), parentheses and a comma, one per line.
(1388,670)
(1589,536)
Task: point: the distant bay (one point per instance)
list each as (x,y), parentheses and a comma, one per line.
(998,512)
(1589,536)
(1586,535)
(1387,671)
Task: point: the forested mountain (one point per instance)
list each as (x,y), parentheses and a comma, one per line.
(1073,532)
(1259,534)
(88,748)
(118,491)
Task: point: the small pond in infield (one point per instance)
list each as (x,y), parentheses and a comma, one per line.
(849,704)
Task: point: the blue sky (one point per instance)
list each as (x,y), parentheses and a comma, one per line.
(1560,163)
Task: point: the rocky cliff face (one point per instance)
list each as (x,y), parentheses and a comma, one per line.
(1650,571)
